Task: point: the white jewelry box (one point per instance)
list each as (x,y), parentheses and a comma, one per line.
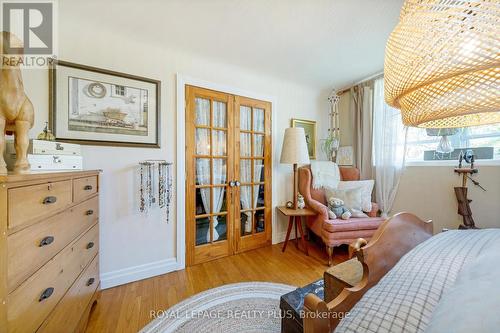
(42,147)
(47,156)
(48,162)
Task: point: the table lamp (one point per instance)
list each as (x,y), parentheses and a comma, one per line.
(294,152)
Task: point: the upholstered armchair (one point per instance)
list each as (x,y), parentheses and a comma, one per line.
(335,232)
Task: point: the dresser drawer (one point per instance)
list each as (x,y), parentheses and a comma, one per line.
(68,312)
(84,187)
(30,248)
(31,203)
(34,299)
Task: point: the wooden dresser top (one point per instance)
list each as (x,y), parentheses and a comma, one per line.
(35,175)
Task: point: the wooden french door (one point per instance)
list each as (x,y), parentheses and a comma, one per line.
(253,171)
(228,174)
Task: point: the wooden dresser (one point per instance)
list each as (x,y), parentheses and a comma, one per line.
(49,251)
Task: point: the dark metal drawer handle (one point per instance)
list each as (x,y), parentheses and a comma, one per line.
(87,188)
(46,241)
(46,294)
(89,212)
(49,200)
(59,147)
(90,282)
(90,245)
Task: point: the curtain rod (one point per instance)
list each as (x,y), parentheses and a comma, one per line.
(371,77)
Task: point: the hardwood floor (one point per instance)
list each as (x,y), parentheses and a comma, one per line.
(127,308)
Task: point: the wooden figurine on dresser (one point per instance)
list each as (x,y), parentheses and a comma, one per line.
(16,109)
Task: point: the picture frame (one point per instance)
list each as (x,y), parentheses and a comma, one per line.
(345,156)
(95,106)
(309,127)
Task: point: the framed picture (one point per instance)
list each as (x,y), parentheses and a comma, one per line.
(309,127)
(345,156)
(95,106)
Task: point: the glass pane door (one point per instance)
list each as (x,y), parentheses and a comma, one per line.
(208,153)
(253,154)
(228,174)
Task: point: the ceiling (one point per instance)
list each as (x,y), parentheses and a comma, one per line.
(322,43)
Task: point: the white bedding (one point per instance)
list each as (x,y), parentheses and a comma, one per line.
(404,299)
(473,304)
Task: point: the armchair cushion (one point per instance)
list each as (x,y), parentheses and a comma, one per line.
(366,187)
(335,232)
(352,198)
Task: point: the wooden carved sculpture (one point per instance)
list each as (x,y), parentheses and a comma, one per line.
(16,110)
(461,192)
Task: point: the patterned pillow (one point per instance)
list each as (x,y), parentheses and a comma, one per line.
(352,198)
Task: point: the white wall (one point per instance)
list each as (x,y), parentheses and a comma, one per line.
(133,245)
(427,191)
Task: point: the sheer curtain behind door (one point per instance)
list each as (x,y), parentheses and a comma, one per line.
(245,164)
(203,164)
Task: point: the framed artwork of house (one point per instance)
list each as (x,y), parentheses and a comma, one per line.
(309,127)
(100,107)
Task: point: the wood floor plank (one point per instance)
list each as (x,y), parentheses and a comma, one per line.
(127,308)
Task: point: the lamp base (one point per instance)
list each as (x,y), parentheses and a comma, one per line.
(295,186)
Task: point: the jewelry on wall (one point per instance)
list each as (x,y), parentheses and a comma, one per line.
(155,189)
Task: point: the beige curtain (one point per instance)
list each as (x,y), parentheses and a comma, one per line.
(362,109)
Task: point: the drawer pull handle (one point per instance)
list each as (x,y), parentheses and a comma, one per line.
(90,245)
(46,241)
(89,212)
(59,146)
(90,282)
(88,187)
(46,294)
(49,200)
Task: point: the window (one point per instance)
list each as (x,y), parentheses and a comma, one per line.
(471,137)
(119,90)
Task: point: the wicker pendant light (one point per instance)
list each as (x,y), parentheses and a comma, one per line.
(442,63)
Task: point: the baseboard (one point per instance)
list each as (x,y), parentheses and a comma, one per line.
(280,237)
(140,272)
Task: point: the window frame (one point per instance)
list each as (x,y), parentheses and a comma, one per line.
(494,162)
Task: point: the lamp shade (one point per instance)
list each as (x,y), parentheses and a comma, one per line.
(442,63)
(294,149)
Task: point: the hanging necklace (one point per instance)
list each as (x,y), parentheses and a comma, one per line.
(142,190)
(148,191)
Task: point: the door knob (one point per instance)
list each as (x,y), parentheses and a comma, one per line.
(237,183)
(232,183)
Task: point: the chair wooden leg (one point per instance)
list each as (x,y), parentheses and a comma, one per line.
(329,250)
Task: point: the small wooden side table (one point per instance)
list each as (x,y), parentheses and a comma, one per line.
(295,215)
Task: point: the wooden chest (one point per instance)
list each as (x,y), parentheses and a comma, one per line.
(49,251)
